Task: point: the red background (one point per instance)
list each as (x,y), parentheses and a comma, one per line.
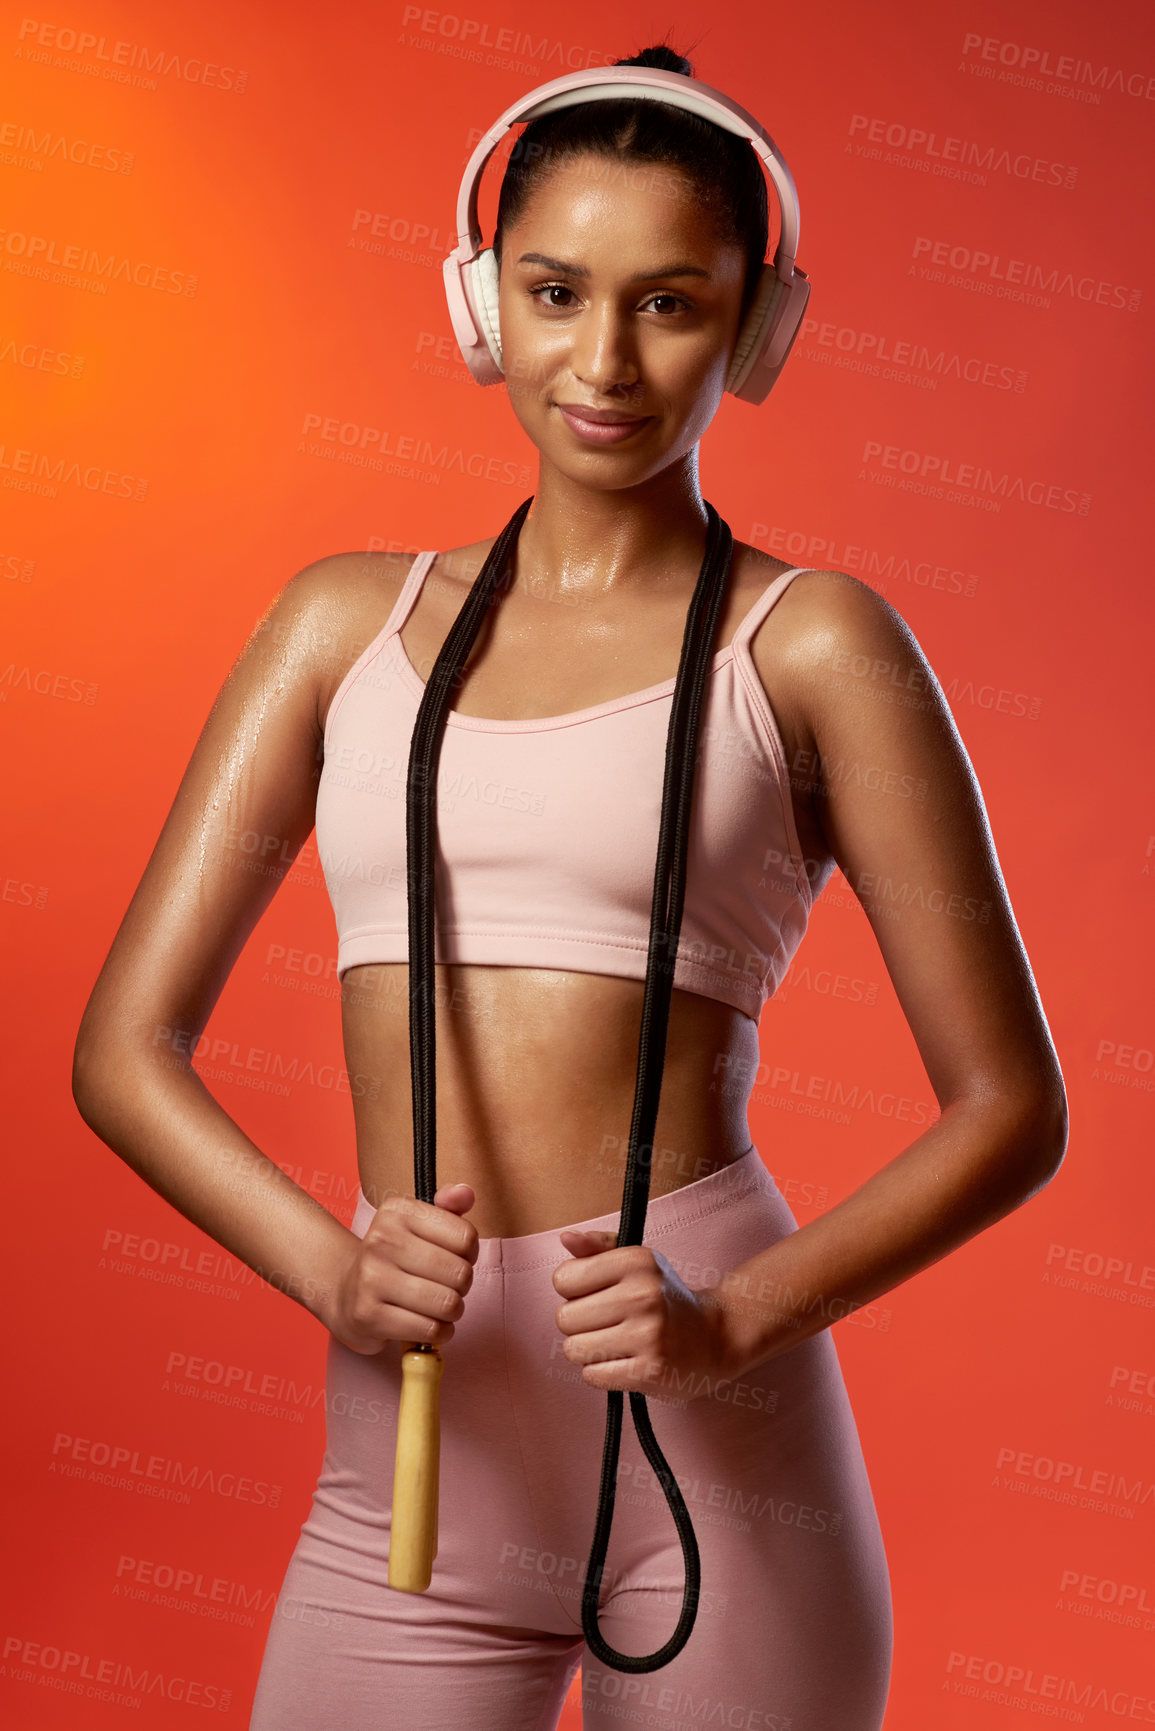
(125,603)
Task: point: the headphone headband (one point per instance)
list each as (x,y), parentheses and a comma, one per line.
(470,270)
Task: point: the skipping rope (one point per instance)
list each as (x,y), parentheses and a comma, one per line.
(665,926)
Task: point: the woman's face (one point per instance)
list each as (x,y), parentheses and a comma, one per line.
(617,295)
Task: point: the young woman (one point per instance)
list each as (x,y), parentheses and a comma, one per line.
(621,295)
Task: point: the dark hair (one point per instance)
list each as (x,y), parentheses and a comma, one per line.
(722,168)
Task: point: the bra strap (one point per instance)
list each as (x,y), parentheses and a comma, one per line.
(409,591)
(768,599)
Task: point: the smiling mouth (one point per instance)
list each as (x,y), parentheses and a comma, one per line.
(614,431)
(600,417)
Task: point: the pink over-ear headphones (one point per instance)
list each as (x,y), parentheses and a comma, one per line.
(775,315)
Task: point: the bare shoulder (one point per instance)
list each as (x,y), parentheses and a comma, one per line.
(335,607)
(350,585)
(822,612)
(341,602)
(833,644)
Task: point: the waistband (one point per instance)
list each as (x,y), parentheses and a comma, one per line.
(664,1214)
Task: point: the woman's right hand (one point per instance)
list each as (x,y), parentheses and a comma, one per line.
(408,1276)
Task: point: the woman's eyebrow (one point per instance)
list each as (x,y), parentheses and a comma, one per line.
(560,265)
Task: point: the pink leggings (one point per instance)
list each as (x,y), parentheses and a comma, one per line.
(794,1624)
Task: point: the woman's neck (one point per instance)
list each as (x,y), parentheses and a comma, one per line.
(597,542)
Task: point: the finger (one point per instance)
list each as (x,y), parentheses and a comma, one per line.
(426,1220)
(427,1299)
(621,1373)
(581,1243)
(642,1375)
(580,1275)
(394,1246)
(455,1198)
(601,1345)
(598,1311)
(427,1261)
(391,1322)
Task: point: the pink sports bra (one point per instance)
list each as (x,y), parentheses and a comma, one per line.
(547,829)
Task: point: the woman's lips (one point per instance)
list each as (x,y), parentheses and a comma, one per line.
(601,432)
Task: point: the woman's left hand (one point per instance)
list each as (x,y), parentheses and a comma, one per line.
(632,1323)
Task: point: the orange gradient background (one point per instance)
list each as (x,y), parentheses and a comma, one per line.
(126,603)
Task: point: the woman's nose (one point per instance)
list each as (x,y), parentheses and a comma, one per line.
(603,352)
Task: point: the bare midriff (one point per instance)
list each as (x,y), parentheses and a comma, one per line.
(535,1079)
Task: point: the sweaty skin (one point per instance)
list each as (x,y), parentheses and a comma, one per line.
(543,1142)
(536,1068)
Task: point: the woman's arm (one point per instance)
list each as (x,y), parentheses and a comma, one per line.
(255,768)
(876,723)
(928,877)
(874,720)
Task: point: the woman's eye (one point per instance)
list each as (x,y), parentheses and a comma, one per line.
(664,296)
(675,303)
(551,288)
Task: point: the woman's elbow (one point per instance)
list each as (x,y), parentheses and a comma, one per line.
(1042,1136)
(92,1071)
(105,1066)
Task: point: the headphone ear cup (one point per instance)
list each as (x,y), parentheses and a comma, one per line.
(757,325)
(485,285)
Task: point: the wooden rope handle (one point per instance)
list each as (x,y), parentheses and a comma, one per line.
(413,1529)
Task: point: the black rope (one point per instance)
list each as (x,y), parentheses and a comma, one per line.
(420,837)
(665,927)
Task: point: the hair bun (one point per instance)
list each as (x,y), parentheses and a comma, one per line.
(660,57)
